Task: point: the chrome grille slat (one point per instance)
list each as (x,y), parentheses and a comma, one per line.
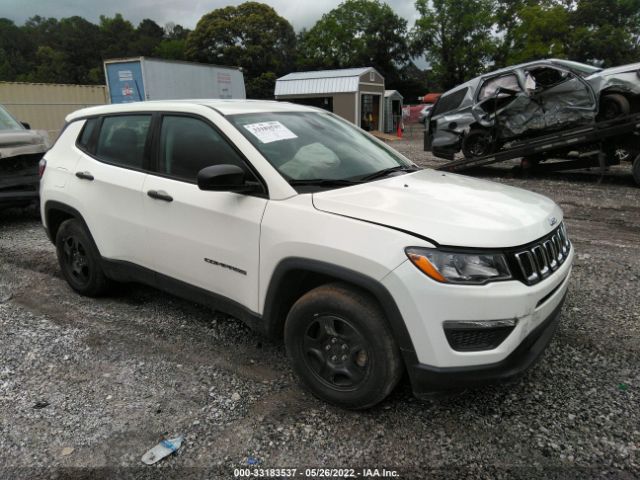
(543,257)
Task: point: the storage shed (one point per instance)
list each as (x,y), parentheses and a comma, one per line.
(392,110)
(356,94)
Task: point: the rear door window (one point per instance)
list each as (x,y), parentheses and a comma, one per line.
(122,140)
(187,145)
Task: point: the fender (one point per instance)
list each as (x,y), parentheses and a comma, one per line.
(276,309)
(62,207)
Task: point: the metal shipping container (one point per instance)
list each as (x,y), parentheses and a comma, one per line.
(45,105)
(142,78)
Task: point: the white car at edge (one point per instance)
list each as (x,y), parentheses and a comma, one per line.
(311,230)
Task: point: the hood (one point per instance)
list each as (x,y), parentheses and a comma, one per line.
(450,209)
(22,142)
(631,67)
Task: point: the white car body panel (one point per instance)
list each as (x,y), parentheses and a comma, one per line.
(363,228)
(450,209)
(198,227)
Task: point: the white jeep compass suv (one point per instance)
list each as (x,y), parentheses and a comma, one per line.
(308,228)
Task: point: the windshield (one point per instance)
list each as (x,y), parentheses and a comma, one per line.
(581,68)
(316,146)
(7,122)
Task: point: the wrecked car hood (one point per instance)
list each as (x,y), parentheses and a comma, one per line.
(631,67)
(22,142)
(450,209)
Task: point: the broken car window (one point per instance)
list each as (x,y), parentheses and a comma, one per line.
(490,87)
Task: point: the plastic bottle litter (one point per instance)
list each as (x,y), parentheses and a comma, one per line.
(161,450)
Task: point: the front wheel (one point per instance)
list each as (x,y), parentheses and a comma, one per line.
(613,106)
(341,346)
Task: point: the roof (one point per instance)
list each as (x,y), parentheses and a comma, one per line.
(345,80)
(225,107)
(390,93)
(166,60)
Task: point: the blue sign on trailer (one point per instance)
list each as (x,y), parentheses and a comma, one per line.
(125,82)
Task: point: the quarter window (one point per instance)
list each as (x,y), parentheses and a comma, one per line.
(449,102)
(122,140)
(87,132)
(187,145)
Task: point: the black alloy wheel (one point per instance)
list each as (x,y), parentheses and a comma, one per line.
(337,352)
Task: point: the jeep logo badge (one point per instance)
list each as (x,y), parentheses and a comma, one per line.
(553,221)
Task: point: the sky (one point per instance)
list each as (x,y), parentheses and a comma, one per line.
(300,13)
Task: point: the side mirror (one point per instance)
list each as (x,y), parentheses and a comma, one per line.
(26,125)
(225,178)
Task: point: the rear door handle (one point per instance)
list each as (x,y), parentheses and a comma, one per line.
(85,176)
(160,195)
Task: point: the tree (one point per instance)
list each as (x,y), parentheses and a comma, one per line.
(357,33)
(606,32)
(16,51)
(118,36)
(149,35)
(544,31)
(456,37)
(251,35)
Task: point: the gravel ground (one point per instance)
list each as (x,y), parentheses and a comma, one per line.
(87,386)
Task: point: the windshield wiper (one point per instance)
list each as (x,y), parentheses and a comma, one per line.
(387,171)
(324,182)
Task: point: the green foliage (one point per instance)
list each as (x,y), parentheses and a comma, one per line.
(171,49)
(357,33)
(543,32)
(606,31)
(251,35)
(262,86)
(456,37)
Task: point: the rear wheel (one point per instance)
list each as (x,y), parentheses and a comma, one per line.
(613,106)
(341,346)
(477,143)
(79,259)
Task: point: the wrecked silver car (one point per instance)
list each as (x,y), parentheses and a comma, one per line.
(484,114)
(20,152)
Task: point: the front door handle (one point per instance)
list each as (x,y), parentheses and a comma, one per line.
(160,195)
(84,176)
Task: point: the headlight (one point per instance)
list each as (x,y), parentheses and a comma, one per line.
(465,268)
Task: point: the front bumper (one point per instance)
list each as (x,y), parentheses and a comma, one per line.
(427,380)
(19,190)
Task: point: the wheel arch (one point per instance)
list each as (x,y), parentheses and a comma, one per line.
(295,276)
(55,213)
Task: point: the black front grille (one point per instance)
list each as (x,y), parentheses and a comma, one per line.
(466,339)
(537,261)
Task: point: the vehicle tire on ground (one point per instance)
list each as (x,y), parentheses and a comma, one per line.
(79,259)
(635,169)
(341,346)
(613,106)
(477,143)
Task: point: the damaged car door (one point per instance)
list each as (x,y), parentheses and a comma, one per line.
(553,98)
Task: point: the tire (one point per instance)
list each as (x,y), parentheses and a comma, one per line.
(341,347)
(635,169)
(477,143)
(79,259)
(613,106)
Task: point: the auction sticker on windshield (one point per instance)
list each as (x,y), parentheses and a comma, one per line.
(268,132)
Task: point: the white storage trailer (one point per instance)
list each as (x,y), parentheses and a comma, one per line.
(143,78)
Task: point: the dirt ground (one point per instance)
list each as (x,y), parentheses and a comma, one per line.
(87,386)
